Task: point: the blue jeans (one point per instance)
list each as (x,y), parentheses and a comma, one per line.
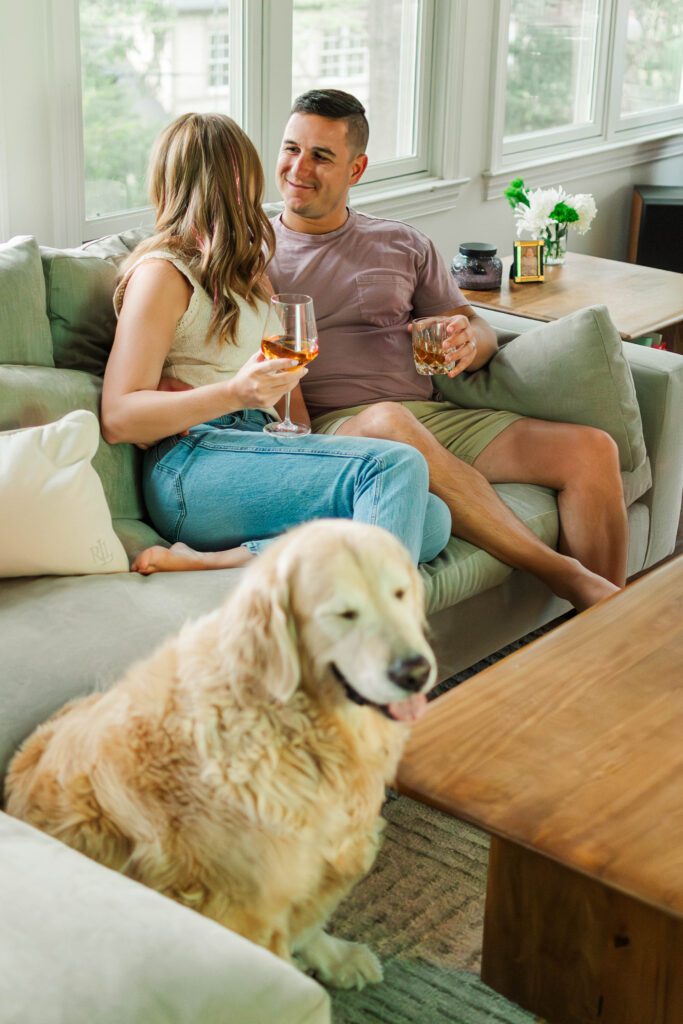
(227,484)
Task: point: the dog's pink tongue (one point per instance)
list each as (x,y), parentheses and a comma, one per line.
(408,710)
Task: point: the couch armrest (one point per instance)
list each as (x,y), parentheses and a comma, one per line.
(658,378)
(83,944)
(506,325)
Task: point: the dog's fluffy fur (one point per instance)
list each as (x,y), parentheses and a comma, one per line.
(237,770)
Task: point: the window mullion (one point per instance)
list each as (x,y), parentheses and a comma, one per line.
(616,63)
(446,103)
(499,69)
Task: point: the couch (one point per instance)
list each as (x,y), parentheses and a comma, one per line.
(89,945)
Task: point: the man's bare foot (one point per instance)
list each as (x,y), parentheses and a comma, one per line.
(181,558)
(583,587)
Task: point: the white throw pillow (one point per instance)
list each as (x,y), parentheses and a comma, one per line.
(54,517)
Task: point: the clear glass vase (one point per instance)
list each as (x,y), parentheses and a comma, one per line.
(555,243)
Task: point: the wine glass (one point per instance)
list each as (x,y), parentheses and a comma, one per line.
(297,339)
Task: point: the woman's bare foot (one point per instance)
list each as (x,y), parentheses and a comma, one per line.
(181,558)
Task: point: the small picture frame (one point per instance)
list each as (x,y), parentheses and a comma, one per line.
(527,261)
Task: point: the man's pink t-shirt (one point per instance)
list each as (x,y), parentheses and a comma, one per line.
(368,280)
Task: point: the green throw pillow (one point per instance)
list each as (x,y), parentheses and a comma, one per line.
(573,371)
(79,304)
(80,287)
(24,326)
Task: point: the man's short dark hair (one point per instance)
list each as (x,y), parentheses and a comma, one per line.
(338,106)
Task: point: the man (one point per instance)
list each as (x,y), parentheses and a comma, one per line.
(369,278)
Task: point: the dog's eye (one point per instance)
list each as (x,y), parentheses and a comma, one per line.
(400,594)
(349,614)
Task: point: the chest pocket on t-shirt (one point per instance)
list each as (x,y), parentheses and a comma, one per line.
(384,297)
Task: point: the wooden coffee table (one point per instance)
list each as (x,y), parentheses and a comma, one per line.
(640,300)
(570,753)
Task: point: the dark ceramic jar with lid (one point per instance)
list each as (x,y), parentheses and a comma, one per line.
(477,267)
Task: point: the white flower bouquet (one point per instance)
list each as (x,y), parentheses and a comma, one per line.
(547,213)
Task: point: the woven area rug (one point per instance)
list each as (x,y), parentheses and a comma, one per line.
(421,909)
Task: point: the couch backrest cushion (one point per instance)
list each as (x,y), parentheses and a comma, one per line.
(24,326)
(79,286)
(115,247)
(33,395)
(573,371)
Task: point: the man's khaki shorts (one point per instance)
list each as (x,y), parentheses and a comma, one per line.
(465,432)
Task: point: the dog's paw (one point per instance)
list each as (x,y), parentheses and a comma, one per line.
(340,963)
(358,967)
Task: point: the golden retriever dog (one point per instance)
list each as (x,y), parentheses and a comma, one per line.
(241,768)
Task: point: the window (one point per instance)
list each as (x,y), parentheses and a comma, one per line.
(143,64)
(373,49)
(653,72)
(550,65)
(576,74)
(219,60)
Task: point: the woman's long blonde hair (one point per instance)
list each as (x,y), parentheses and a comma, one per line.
(206,182)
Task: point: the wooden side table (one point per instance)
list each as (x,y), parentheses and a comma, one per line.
(640,300)
(570,752)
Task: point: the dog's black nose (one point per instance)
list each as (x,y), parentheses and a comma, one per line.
(410,673)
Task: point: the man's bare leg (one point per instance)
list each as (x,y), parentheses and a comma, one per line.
(181,558)
(478,514)
(582,465)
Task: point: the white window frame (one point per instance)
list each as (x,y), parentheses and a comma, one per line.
(66,117)
(556,138)
(262,34)
(609,141)
(279,79)
(661,118)
(401,189)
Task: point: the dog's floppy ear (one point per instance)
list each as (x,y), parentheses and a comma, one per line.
(261,634)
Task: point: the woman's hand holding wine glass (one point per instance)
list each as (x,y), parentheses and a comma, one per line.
(297,340)
(262,382)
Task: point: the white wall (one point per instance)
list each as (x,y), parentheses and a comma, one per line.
(24,160)
(31,86)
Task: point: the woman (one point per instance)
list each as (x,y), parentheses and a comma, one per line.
(193,305)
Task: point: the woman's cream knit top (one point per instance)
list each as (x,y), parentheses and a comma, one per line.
(195,357)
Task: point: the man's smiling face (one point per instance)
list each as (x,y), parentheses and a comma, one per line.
(315,170)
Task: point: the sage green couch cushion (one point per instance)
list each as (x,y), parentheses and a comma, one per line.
(79,285)
(572,371)
(64,636)
(24,326)
(33,395)
(462,569)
